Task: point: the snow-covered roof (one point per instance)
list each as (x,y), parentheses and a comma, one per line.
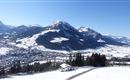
(64,65)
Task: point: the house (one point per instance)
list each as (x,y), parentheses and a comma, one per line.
(65,67)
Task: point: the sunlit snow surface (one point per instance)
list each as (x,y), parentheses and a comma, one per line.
(107,73)
(59,40)
(83,29)
(53,75)
(100,40)
(109,51)
(4,50)
(31,41)
(104,73)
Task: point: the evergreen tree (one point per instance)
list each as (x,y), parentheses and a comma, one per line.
(2,72)
(76,60)
(16,67)
(96,60)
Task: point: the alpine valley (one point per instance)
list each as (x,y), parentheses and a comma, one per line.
(35,43)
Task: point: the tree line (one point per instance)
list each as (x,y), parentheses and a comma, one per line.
(95,60)
(18,68)
(74,60)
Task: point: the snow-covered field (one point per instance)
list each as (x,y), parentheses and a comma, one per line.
(107,73)
(27,42)
(4,50)
(59,40)
(53,75)
(110,51)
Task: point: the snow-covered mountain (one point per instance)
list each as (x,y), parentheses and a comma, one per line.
(90,33)
(25,31)
(74,40)
(3,27)
(121,39)
(57,36)
(61,36)
(34,43)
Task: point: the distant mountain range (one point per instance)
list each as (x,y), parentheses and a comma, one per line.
(121,39)
(36,43)
(58,36)
(3,27)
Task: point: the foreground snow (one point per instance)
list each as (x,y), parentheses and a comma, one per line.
(53,75)
(106,73)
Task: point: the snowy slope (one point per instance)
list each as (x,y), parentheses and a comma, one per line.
(109,51)
(4,50)
(59,40)
(53,75)
(83,29)
(62,37)
(28,42)
(89,32)
(107,73)
(121,39)
(58,36)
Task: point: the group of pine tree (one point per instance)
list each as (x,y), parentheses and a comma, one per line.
(95,60)
(17,68)
(74,60)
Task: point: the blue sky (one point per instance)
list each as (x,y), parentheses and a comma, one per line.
(104,16)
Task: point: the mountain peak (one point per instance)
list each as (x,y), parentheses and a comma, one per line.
(58,22)
(62,25)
